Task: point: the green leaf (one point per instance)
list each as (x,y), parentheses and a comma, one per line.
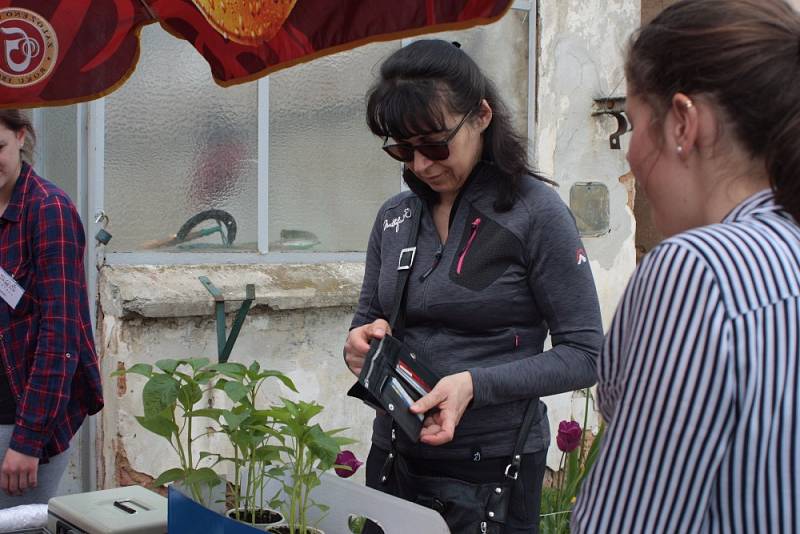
(159,393)
(170,475)
(240,439)
(322,446)
(198,363)
(267,454)
(158,424)
(204,377)
(211,413)
(204,475)
(295,430)
(572,472)
(574,485)
(277,413)
(280,376)
(341,441)
(168,365)
(235,391)
(291,407)
(144,369)
(594,450)
(189,395)
(233,370)
(234,419)
(308,410)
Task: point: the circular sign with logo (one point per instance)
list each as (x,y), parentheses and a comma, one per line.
(28,47)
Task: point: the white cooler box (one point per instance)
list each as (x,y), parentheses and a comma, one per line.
(132,509)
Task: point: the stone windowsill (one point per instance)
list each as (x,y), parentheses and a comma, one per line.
(174,290)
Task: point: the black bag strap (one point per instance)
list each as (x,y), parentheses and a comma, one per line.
(512,470)
(405,262)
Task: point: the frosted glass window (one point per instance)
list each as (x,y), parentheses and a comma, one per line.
(57,152)
(501,51)
(327,173)
(177,144)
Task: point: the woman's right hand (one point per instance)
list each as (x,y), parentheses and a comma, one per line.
(358,340)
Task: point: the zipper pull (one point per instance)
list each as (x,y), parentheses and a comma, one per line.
(436,257)
(475,224)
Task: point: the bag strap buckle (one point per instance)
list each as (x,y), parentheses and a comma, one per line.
(512,472)
(406,259)
(512,469)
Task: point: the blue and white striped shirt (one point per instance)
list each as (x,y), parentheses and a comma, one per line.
(699,381)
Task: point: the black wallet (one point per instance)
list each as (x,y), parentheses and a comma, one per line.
(392,379)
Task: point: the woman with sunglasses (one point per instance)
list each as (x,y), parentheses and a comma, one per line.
(498,266)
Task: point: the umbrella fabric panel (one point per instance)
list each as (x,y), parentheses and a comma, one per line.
(54,52)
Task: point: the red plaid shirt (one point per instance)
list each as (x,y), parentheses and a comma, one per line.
(46,343)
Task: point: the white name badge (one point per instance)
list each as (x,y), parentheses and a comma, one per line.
(10,290)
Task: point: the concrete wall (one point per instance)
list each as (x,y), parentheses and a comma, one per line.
(302,312)
(580,59)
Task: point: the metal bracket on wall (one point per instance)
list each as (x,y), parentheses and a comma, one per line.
(614,106)
(225,342)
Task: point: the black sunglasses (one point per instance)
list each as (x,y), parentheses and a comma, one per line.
(434,151)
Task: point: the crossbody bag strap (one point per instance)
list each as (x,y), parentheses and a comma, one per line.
(512,470)
(404,264)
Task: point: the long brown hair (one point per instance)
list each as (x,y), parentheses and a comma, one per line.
(745,54)
(16,121)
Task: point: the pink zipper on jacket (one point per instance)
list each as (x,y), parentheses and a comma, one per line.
(475,224)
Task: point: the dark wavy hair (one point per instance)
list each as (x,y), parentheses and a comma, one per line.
(419,83)
(16,121)
(744,54)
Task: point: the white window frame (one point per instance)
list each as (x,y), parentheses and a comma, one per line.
(94,158)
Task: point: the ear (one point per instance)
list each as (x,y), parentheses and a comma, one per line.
(20,135)
(684,128)
(484,115)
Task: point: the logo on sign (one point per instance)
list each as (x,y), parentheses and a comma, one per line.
(28,47)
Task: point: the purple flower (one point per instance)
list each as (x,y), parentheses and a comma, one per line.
(569,435)
(347,458)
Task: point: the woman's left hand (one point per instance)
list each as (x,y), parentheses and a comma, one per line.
(450,398)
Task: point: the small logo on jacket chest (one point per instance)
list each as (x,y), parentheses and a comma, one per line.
(397,221)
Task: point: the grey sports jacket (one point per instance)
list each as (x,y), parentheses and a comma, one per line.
(484,301)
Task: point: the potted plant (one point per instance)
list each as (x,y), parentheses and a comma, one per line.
(256,445)
(308,451)
(169,397)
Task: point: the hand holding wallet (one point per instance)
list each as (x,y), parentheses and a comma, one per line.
(392,379)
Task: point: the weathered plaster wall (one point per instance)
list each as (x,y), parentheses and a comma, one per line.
(297,325)
(580,59)
(302,312)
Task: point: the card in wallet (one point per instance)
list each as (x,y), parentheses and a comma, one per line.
(392,379)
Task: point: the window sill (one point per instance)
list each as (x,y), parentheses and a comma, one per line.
(172,289)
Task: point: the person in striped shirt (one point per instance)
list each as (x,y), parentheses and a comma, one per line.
(699,377)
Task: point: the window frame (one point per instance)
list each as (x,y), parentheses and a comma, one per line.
(91,179)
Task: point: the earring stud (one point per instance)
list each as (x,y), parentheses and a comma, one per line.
(680,149)
(689,104)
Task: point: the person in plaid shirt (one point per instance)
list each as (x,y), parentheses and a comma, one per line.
(50,379)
